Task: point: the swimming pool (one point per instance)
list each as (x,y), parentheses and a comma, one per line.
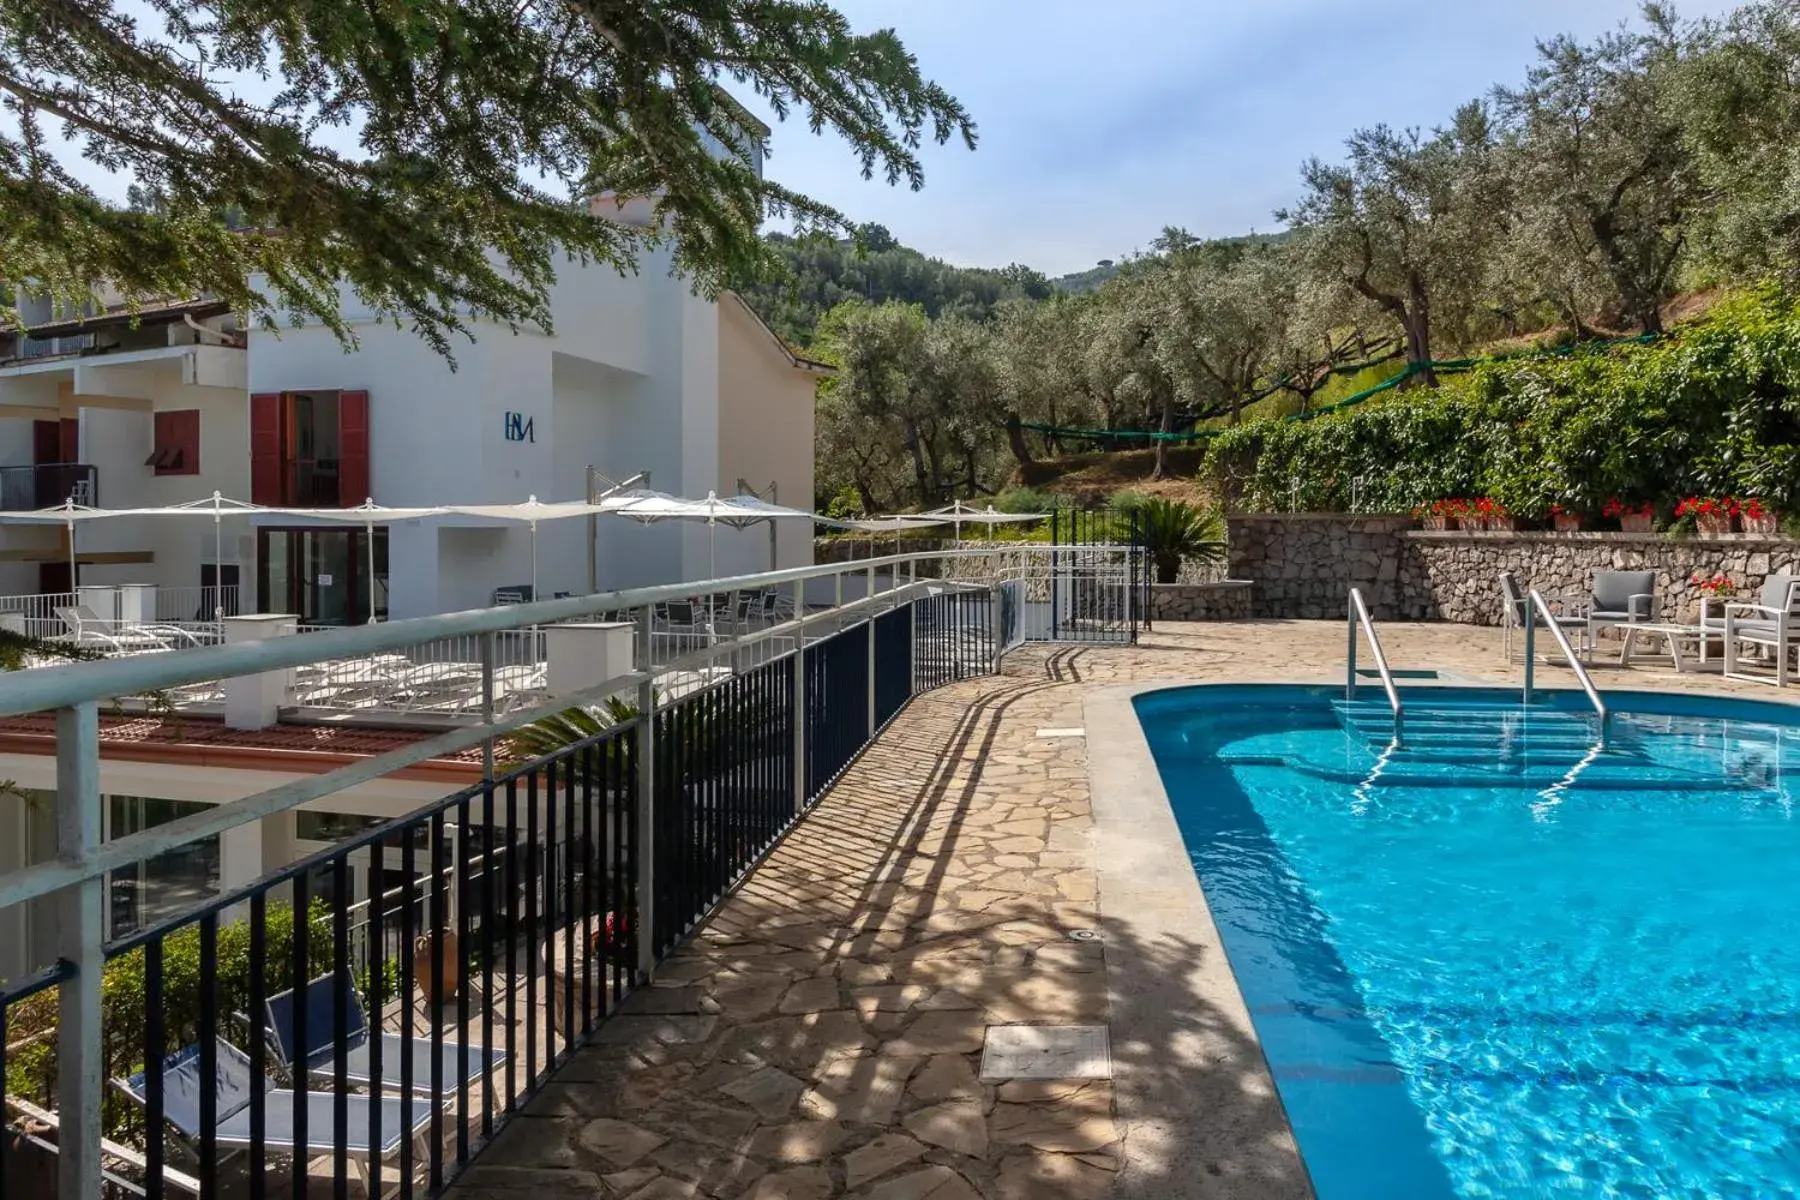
(1494,963)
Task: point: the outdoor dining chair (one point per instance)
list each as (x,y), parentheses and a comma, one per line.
(1620,598)
(233,1087)
(1513,602)
(1771,622)
(459,1063)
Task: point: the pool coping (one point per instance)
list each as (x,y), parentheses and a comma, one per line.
(1206,1119)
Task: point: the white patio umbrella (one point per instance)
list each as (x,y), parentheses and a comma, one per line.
(899,523)
(67,514)
(737,512)
(959,511)
(531,511)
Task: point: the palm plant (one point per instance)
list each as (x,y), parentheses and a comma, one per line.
(1174,532)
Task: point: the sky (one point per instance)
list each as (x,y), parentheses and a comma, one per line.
(1102,123)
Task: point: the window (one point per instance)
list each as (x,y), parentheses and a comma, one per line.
(310,826)
(151,889)
(177,437)
(309,449)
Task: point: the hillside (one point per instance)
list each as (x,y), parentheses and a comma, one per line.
(826,272)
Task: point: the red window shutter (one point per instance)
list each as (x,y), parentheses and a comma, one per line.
(177,442)
(70,439)
(265,449)
(353,448)
(188,438)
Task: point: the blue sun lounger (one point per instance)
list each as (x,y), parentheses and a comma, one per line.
(234,1085)
(458,1063)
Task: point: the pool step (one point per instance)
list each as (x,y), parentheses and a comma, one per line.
(1400,771)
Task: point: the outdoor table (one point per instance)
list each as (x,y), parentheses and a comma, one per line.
(1673,635)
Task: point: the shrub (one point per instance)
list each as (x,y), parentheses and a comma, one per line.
(1174,532)
(1714,410)
(123,1001)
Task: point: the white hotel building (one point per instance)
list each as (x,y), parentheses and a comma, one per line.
(174,403)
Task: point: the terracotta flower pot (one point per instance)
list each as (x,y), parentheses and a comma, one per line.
(1636,522)
(1434,521)
(1765,525)
(1567,523)
(1713,523)
(437,989)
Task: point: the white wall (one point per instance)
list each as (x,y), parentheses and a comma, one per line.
(629,381)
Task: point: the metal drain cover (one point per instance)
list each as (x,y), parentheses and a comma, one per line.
(1046,1052)
(1083,935)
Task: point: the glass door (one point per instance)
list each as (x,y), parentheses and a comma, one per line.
(321,574)
(327,576)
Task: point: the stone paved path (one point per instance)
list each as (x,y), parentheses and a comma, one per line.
(821,1036)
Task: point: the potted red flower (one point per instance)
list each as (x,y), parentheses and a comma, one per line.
(1430,517)
(1632,518)
(1711,516)
(1445,514)
(1713,589)
(1565,521)
(1757,519)
(1491,514)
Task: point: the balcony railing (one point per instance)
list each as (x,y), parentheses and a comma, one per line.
(525,908)
(47,485)
(36,347)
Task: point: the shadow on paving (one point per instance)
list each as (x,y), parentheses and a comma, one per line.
(820,1036)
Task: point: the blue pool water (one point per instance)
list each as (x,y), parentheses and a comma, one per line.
(1493,964)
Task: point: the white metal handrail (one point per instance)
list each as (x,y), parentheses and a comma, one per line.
(1540,607)
(1359,615)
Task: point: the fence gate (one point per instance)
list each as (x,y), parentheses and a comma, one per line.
(1096,588)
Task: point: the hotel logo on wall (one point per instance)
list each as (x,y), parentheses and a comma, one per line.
(519,428)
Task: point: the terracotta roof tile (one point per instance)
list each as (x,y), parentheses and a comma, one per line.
(204,738)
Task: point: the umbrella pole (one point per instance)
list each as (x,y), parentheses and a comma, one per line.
(74,580)
(712,573)
(369,533)
(218,573)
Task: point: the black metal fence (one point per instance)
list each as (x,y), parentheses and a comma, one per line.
(367,1018)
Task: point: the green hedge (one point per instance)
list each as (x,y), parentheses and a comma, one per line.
(31,1068)
(1712,411)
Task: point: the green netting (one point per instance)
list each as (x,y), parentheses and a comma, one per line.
(1453,366)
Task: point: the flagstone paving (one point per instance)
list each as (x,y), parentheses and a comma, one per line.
(821,1036)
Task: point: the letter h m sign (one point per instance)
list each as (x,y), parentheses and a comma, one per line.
(519,428)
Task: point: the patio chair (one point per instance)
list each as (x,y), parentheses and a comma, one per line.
(233,1085)
(1513,602)
(1771,622)
(1620,598)
(322,1045)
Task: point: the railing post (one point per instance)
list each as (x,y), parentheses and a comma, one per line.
(81,1065)
(487,704)
(1530,648)
(800,698)
(1350,657)
(871,672)
(646,807)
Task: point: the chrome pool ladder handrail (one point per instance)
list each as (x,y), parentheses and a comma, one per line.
(1359,615)
(1541,608)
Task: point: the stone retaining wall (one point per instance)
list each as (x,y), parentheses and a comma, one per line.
(1304,565)
(1452,576)
(1226,600)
